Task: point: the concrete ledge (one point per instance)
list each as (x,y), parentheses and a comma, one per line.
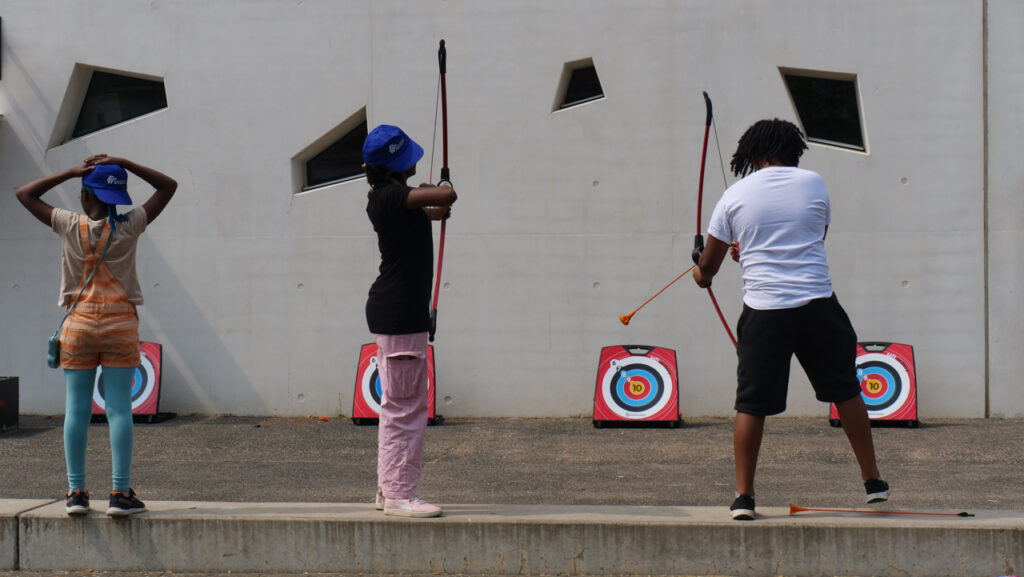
(519,539)
(10,509)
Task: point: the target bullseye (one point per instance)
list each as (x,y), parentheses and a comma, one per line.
(877,385)
(636,387)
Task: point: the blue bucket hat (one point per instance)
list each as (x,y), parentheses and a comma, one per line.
(109,182)
(391,148)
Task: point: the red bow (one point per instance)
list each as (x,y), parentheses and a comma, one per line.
(698,239)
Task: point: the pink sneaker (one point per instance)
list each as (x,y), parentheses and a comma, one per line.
(414,507)
(378,501)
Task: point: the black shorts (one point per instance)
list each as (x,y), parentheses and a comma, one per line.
(818,333)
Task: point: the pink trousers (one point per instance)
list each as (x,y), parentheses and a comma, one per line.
(402,367)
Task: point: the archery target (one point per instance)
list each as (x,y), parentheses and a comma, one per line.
(145,383)
(368,390)
(635,387)
(887,382)
(884,384)
(636,383)
(370,386)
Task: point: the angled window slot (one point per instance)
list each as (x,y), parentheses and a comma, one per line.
(579,84)
(828,105)
(114,98)
(335,157)
(98,98)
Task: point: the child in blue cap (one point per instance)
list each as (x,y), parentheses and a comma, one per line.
(103,326)
(398,311)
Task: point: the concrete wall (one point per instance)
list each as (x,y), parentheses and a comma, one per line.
(565,220)
(1005,206)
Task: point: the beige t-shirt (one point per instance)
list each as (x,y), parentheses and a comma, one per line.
(120,257)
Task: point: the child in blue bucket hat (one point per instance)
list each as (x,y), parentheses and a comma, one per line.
(398,311)
(100,286)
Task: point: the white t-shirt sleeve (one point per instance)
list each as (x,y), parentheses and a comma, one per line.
(137,221)
(62,220)
(719,226)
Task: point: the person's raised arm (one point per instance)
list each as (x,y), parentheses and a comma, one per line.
(436,200)
(710,261)
(30,194)
(164,185)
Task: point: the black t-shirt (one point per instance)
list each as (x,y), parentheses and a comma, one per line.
(399,301)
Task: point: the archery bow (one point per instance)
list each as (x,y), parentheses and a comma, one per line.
(441,57)
(698,239)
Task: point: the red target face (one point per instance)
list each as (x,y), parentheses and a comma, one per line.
(636,383)
(145,383)
(370,384)
(884,384)
(367,397)
(886,375)
(634,387)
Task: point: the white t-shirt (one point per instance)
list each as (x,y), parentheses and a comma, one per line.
(778,215)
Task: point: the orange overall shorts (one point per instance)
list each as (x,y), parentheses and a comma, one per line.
(103,329)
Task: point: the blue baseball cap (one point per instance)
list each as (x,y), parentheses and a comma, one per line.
(391,148)
(109,182)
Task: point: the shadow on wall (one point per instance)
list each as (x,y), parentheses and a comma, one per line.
(30,262)
(31,275)
(14,74)
(200,374)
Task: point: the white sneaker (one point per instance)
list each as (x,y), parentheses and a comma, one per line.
(414,507)
(378,501)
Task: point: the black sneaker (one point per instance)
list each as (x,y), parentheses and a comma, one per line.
(877,489)
(77,503)
(742,508)
(122,505)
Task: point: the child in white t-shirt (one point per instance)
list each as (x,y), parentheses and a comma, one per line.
(773,222)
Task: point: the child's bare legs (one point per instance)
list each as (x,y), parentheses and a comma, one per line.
(854,416)
(747,433)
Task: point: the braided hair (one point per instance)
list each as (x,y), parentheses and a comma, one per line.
(773,141)
(112,216)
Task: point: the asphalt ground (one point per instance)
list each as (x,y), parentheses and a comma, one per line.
(91,573)
(956,465)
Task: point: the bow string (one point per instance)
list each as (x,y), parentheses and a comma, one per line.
(445,176)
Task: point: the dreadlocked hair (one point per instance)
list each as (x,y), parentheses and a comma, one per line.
(774,141)
(377,175)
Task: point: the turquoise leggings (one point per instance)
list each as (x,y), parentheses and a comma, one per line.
(117,388)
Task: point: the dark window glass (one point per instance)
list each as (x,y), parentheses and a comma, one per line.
(584,86)
(828,110)
(113,98)
(340,161)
